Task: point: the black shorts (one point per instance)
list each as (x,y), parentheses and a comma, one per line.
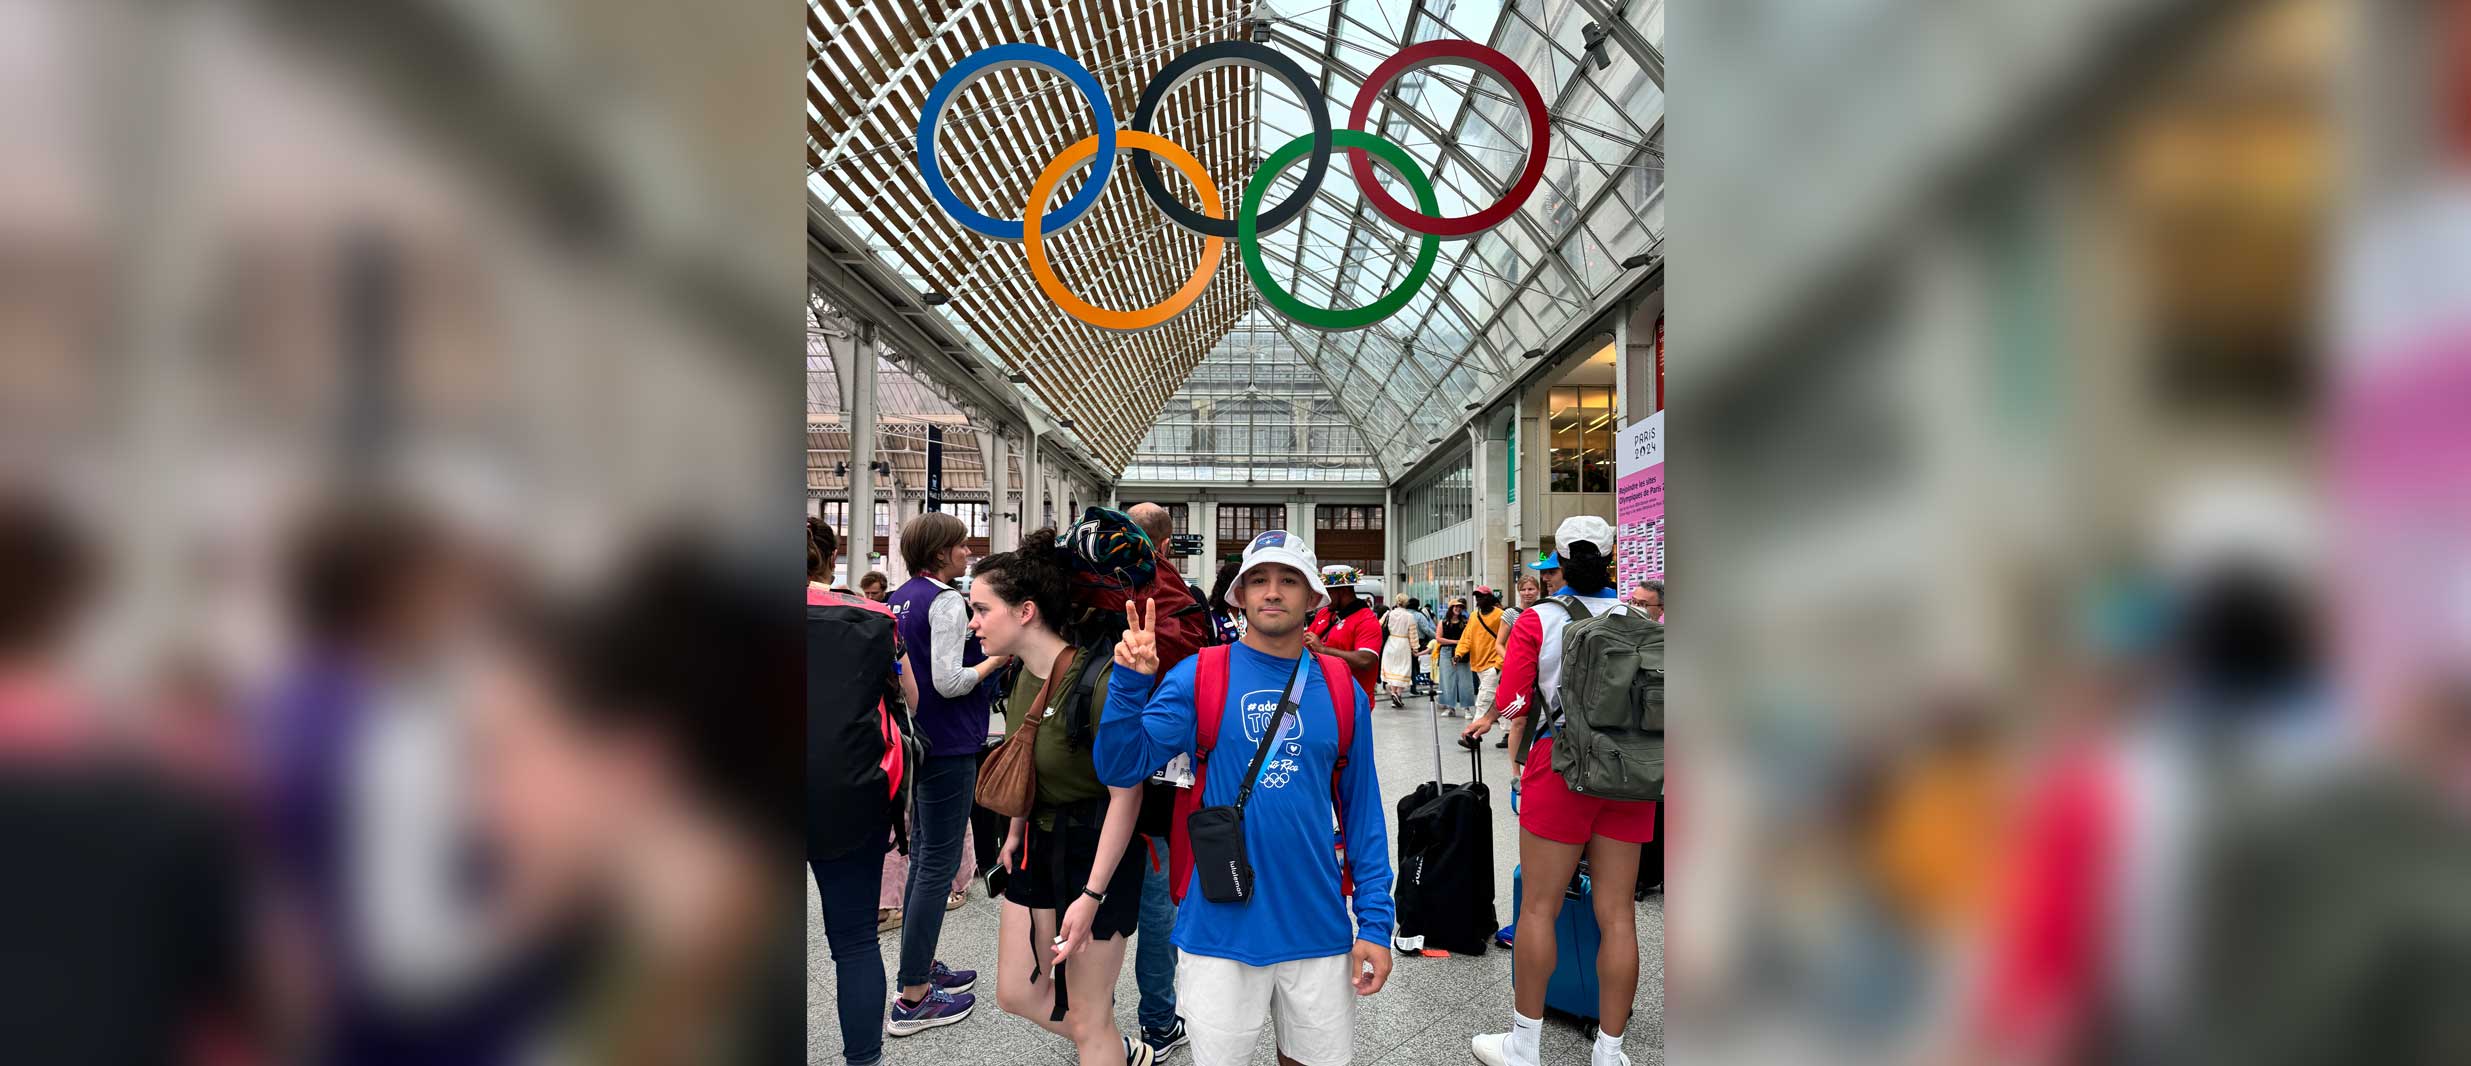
(1058,867)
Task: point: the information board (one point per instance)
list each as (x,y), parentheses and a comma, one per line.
(1638,501)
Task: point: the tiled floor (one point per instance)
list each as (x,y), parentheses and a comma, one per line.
(1425,1015)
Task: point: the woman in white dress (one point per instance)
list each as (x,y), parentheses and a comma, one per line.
(1398,653)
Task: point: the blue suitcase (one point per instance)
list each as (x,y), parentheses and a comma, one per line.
(1572,989)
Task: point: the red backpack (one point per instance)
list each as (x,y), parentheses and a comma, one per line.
(1210,702)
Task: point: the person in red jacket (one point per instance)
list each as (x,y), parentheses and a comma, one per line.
(1347,628)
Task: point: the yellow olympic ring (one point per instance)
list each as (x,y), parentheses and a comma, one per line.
(1103,318)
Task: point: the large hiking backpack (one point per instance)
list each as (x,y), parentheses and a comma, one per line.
(1611,742)
(860,743)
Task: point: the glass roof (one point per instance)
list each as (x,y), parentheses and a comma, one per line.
(1406,380)
(1253,411)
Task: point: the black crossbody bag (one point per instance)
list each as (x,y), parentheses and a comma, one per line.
(1217,833)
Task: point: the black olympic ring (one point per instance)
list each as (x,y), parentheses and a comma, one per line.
(1190,65)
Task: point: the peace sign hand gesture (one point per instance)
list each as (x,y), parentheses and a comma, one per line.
(1137,651)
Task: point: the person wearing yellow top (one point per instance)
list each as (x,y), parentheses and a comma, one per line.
(1481,645)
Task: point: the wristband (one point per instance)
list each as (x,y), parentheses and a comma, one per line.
(1101,897)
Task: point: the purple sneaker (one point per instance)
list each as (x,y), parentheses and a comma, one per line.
(939,1008)
(944,978)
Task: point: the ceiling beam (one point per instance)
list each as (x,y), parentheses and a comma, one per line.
(839,263)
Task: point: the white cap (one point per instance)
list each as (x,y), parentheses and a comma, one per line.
(1584,527)
(1288,550)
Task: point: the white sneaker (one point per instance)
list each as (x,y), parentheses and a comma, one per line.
(1599,1058)
(1492,1049)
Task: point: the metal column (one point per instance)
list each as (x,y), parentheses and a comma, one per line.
(855,355)
(1002,535)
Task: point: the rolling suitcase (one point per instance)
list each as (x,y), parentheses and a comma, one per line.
(1444,887)
(1572,989)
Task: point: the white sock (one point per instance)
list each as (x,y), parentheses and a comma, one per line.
(1526,1036)
(1608,1048)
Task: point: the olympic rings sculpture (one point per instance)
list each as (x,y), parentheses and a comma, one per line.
(1250,221)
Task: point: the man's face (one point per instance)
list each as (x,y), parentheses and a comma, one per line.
(1274,599)
(1643,596)
(1655,603)
(1343,596)
(1552,581)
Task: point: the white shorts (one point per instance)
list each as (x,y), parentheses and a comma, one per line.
(1485,683)
(1224,1003)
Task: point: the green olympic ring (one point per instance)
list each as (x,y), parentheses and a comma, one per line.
(1335,318)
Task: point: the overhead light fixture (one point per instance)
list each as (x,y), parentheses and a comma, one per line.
(1592,38)
(1474,406)
(1635,262)
(1017,378)
(1063,423)
(1532,353)
(936,296)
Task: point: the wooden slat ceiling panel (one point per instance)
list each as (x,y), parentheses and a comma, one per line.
(873,70)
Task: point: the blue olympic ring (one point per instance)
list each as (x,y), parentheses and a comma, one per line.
(987,62)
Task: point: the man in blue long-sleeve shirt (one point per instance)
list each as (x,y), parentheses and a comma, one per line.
(1293,952)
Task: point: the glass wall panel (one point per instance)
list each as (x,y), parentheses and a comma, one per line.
(1581,417)
(1253,410)
(1436,501)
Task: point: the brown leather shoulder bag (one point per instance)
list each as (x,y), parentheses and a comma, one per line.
(1008,780)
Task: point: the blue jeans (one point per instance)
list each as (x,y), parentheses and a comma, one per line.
(938,826)
(847,886)
(1153,953)
(1458,684)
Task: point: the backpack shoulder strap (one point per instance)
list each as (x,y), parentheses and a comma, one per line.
(1081,702)
(1575,607)
(1209,708)
(1342,684)
(1209,698)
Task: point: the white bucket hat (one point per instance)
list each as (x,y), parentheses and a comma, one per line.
(1288,550)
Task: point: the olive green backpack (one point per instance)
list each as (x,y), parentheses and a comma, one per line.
(1611,742)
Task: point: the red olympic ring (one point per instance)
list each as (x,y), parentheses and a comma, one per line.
(1428,53)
